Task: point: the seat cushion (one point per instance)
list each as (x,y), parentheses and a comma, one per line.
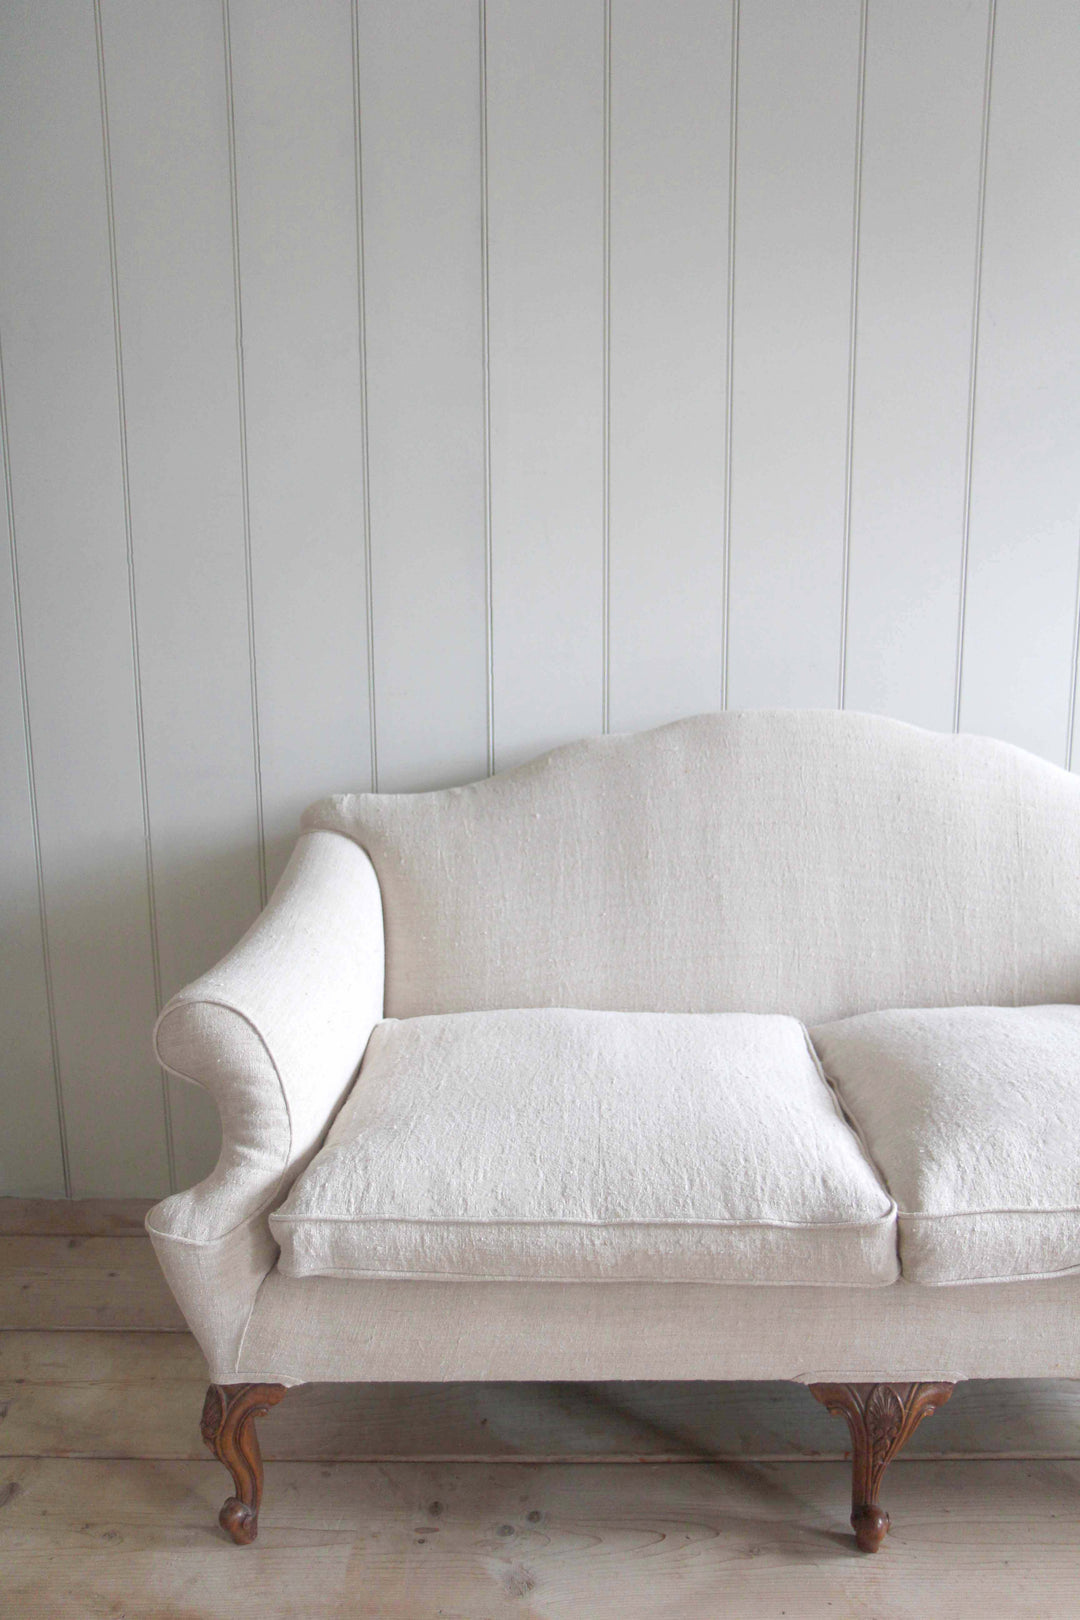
(972,1114)
(565,1145)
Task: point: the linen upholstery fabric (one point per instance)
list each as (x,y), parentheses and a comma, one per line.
(973,1116)
(332,1328)
(275,1032)
(567,1145)
(817,864)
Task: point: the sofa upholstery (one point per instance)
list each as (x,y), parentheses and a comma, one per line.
(338,1329)
(972,1115)
(817,865)
(275,1033)
(912,898)
(812,863)
(560,1145)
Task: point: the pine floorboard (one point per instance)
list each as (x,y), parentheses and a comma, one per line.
(484,1541)
(679,1501)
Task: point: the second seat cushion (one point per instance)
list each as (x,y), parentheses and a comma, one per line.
(972,1114)
(565,1145)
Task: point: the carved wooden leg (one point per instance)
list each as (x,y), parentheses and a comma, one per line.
(228,1428)
(882,1418)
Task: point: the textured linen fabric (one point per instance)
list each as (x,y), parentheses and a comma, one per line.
(564,1144)
(972,1115)
(275,1032)
(334,1329)
(811,863)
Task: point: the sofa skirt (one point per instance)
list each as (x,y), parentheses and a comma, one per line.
(324,1329)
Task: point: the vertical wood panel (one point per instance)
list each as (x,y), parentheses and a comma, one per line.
(30,1142)
(68,499)
(168,145)
(670,115)
(292,77)
(1025,511)
(420,124)
(920,191)
(545,75)
(798,96)
(480,250)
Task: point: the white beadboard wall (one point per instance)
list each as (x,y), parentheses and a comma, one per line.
(393,390)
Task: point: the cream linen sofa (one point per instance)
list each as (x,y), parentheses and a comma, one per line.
(743,1048)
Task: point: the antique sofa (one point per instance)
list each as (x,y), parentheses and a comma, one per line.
(745,1048)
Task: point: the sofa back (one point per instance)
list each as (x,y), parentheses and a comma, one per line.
(808,862)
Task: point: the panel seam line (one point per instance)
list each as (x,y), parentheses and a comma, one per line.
(133,606)
(245,480)
(605,706)
(729,359)
(31,783)
(973,365)
(853,336)
(485,334)
(362,362)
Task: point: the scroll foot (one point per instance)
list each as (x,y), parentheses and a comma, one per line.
(228,1428)
(881,1419)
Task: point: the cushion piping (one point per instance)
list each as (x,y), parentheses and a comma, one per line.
(502,1277)
(974,1214)
(870,1224)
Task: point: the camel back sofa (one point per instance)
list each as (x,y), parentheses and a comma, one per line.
(743,1048)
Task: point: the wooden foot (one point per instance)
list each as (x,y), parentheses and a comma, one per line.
(228,1428)
(882,1418)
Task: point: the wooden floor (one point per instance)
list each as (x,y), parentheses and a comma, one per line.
(466,1502)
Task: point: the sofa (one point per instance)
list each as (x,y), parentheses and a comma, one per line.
(743,1048)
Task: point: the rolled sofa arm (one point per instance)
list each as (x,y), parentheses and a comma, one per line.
(275,1032)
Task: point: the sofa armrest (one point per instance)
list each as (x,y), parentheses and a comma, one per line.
(275,1032)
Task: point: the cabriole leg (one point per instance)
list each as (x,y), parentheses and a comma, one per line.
(881,1418)
(228,1428)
